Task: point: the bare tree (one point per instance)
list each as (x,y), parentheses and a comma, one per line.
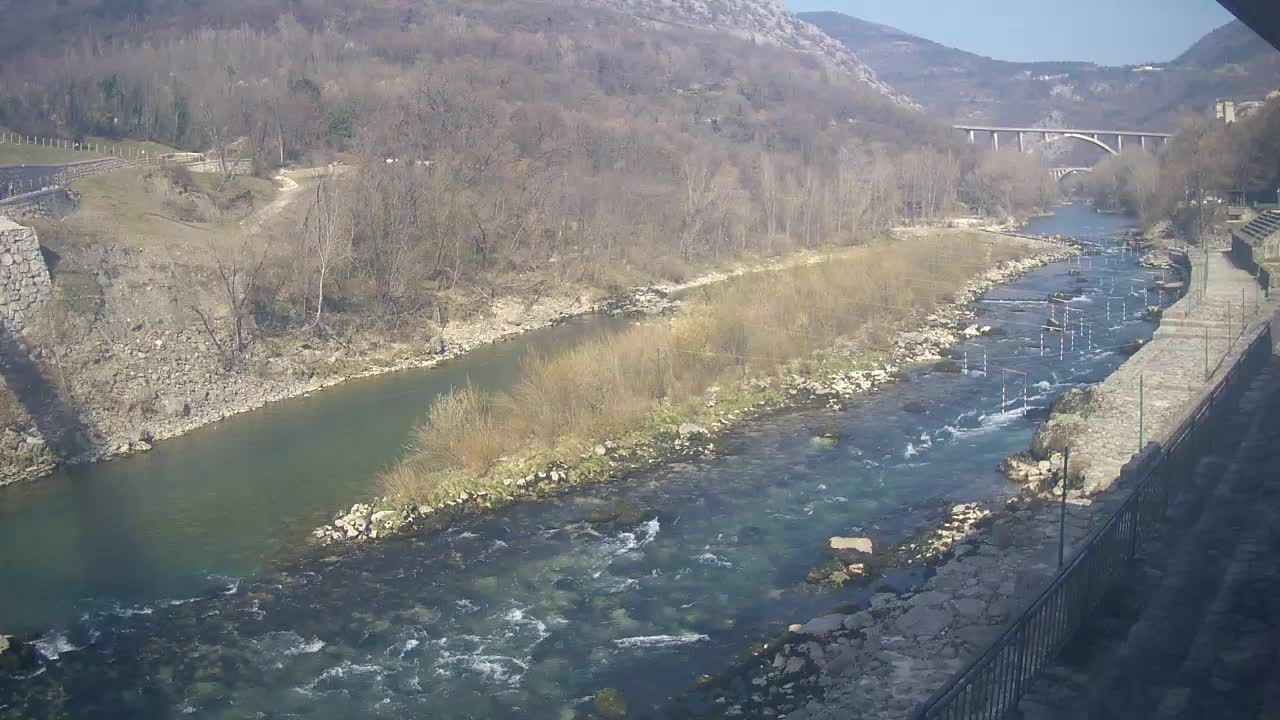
(239,273)
(329,230)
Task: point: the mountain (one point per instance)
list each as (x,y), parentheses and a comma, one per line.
(759,21)
(1230,62)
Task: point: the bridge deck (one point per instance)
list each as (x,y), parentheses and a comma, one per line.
(1064,131)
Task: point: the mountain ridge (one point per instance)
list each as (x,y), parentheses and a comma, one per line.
(1228,62)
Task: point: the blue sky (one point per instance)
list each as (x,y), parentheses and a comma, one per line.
(1108,32)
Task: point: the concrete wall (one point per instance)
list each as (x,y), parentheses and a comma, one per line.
(24,279)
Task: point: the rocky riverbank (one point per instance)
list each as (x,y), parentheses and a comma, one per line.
(883,661)
(159,379)
(847,372)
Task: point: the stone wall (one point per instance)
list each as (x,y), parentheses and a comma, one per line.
(24,279)
(54,203)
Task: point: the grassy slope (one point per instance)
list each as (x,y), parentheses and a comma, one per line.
(35,155)
(142,209)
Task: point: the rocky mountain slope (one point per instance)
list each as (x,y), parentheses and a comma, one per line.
(761,21)
(1230,62)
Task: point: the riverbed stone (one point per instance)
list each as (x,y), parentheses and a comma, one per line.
(609,704)
(823,626)
(923,620)
(856,544)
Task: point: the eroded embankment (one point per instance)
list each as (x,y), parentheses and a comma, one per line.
(885,660)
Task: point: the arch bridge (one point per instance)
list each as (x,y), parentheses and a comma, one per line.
(1060,172)
(1099,138)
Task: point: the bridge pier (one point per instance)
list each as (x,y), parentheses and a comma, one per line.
(1142,140)
(995,139)
(1119,143)
(1021,146)
(970,137)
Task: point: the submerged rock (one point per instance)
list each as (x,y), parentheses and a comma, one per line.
(826,440)
(609,705)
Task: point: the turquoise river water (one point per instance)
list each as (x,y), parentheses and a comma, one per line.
(172,584)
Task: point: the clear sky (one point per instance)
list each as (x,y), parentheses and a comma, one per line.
(1107,32)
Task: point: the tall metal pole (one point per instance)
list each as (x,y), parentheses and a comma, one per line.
(1062,516)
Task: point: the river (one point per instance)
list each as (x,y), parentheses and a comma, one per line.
(166,584)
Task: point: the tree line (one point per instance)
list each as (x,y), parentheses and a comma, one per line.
(491,140)
(1195,172)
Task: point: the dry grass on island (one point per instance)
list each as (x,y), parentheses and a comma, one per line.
(658,373)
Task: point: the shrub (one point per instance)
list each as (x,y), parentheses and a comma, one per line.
(459,432)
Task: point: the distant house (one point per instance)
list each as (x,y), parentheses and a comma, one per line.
(1256,244)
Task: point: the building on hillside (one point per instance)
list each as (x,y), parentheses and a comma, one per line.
(1225,110)
(1256,245)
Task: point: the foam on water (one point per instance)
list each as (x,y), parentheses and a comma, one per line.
(53,644)
(330,679)
(710,558)
(647,642)
(625,542)
(500,669)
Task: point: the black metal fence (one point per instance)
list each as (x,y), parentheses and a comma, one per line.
(993,683)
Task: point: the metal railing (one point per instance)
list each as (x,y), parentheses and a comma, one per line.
(994,682)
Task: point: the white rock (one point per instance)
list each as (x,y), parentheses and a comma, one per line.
(860,544)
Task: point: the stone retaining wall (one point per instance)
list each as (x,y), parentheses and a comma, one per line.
(24,279)
(52,203)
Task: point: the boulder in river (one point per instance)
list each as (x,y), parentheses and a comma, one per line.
(947,366)
(15,656)
(826,440)
(609,705)
(915,407)
(844,545)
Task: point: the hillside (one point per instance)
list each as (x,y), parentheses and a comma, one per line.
(485,165)
(1230,62)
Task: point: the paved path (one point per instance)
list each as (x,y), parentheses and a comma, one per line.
(1197,635)
(1171,369)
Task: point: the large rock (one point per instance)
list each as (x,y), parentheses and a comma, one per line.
(855,544)
(16,657)
(175,407)
(823,626)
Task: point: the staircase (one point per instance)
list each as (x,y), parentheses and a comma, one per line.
(1197,634)
(1261,227)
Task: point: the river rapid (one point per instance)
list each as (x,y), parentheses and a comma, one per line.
(168,584)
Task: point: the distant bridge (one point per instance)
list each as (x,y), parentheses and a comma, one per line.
(1060,172)
(1093,137)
